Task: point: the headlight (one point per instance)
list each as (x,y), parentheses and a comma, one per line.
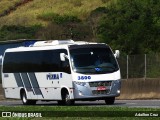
(80,83)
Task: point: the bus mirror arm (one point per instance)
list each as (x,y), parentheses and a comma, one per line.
(117,53)
(63,56)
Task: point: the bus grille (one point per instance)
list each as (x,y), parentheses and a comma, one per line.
(101,83)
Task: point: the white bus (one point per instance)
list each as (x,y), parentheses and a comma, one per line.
(61,70)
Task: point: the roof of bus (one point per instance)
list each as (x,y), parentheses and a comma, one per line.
(51,44)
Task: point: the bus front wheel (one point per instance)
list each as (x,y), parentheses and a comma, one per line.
(110,100)
(66,99)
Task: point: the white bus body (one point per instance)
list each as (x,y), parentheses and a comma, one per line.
(63,71)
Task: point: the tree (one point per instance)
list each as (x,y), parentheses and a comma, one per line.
(131,26)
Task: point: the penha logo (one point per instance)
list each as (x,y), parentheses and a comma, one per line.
(51,76)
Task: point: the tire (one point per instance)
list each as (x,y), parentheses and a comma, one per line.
(110,100)
(25,101)
(66,99)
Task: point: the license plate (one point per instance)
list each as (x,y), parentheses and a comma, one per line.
(101,88)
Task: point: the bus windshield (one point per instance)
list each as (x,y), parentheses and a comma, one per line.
(93,60)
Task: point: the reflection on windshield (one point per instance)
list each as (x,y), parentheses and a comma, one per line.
(93,60)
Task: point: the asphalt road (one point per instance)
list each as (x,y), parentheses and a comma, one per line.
(120,103)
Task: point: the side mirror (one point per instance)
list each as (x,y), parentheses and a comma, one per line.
(117,53)
(63,56)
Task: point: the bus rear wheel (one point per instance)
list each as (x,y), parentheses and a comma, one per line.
(25,101)
(110,100)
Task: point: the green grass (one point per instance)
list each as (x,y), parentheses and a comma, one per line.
(27,14)
(83,112)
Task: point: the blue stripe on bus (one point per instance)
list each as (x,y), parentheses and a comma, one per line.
(35,84)
(18,80)
(27,83)
(26,80)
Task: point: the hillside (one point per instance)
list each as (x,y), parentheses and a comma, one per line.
(5,4)
(27,14)
(131,26)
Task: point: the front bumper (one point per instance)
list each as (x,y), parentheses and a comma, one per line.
(87,91)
